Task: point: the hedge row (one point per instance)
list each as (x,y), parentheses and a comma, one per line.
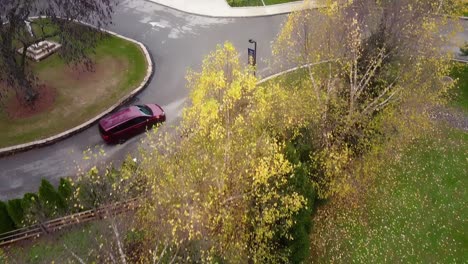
(49,202)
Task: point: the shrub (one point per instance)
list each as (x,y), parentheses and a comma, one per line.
(32,208)
(464,49)
(3,258)
(6,223)
(298,153)
(65,189)
(299,246)
(16,212)
(50,199)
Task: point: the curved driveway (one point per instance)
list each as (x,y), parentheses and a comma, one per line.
(177,42)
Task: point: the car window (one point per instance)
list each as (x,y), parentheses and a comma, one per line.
(141,119)
(129,123)
(132,122)
(136,121)
(145,110)
(122,126)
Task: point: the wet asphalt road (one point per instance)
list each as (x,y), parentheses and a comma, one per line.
(177,42)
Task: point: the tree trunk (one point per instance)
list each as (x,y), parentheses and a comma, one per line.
(30,94)
(27,85)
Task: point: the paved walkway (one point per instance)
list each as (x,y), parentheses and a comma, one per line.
(220,8)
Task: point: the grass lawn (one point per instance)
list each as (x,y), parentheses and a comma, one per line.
(414,212)
(51,249)
(78,95)
(89,241)
(417,211)
(238,3)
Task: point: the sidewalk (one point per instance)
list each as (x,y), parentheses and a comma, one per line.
(220,8)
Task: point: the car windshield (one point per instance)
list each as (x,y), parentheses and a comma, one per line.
(145,110)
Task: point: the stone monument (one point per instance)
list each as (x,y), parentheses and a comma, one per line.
(40,50)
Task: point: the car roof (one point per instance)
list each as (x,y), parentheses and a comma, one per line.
(120,117)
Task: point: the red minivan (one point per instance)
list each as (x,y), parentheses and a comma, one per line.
(128,122)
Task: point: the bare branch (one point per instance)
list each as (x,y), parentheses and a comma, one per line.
(175,255)
(370,73)
(80,260)
(373,105)
(123,257)
(162,252)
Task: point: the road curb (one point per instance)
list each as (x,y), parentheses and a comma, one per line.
(282,12)
(54,139)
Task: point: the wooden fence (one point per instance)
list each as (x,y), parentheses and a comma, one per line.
(57,224)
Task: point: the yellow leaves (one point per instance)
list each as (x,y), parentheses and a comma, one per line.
(268,167)
(332,7)
(226,163)
(93,171)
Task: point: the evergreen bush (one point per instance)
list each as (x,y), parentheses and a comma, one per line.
(50,199)
(299,246)
(65,189)
(298,153)
(31,207)
(16,212)
(6,223)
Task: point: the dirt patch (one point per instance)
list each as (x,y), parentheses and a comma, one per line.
(452,116)
(17,109)
(82,72)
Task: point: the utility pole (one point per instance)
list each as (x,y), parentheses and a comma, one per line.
(253,54)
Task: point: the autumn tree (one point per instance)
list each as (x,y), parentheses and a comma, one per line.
(100,187)
(19,31)
(219,187)
(368,62)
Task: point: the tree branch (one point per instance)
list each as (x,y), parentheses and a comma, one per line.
(80,260)
(119,243)
(370,108)
(162,252)
(175,255)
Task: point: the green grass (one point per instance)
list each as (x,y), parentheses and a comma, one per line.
(460,72)
(51,249)
(414,212)
(417,212)
(238,3)
(121,66)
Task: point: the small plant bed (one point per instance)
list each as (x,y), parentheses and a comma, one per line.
(239,3)
(460,73)
(70,96)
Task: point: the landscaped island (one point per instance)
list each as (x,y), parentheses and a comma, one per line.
(72,95)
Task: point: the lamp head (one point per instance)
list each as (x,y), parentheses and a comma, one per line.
(251,41)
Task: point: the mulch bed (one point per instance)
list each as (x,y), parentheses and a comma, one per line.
(17,108)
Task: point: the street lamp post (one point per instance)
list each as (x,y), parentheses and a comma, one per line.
(253,54)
